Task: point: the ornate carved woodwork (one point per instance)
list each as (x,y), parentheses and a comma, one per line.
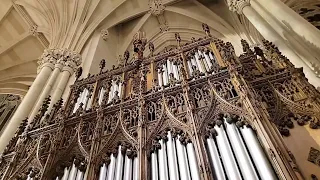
(259,85)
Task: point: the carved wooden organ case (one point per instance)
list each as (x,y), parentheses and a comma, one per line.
(196,111)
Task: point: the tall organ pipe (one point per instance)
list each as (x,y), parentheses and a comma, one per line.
(65,173)
(119,166)
(163,169)
(73,172)
(198,61)
(215,160)
(127,168)
(154,165)
(243,158)
(160,79)
(173,167)
(103,172)
(111,168)
(182,159)
(261,161)
(135,174)
(193,162)
(226,153)
(79,175)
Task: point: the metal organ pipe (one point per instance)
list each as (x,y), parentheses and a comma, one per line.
(127,168)
(111,92)
(193,162)
(169,67)
(85,98)
(243,158)
(173,167)
(165,75)
(207,58)
(227,155)
(203,60)
(103,172)
(163,164)
(65,173)
(175,71)
(73,172)
(198,61)
(215,160)
(182,159)
(135,174)
(79,175)
(160,79)
(120,89)
(101,94)
(90,100)
(190,66)
(261,161)
(194,63)
(119,167)
(111,168)
(154,165)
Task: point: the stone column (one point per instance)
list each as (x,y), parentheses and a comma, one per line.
(244,7)
(47,89)
(70,60)
(28,102)
(293,20)
(307,54)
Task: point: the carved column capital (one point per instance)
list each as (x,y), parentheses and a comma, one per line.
(237,5)
(60,58)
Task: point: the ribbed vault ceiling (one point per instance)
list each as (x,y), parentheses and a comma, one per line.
(71,23)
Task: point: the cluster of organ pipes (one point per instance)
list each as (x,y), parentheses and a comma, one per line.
(75,172)
(235,152)
(85,98)
(174,158)
(122,165)
(114,93)
(199,60)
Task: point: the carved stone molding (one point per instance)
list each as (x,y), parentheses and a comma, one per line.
(104,34)
(156,7)
(33,30)
(237,5)
(314,156)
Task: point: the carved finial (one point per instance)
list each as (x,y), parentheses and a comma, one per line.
(151,48)
(78,73)
(259,52)
(126,56)
(139,42)
(178,38)
(245,46)
(102,65)
(58,104)
(45,105)
(206,29)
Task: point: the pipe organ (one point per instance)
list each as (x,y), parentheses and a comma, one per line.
(173,157)
(233,155)
(192,112)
